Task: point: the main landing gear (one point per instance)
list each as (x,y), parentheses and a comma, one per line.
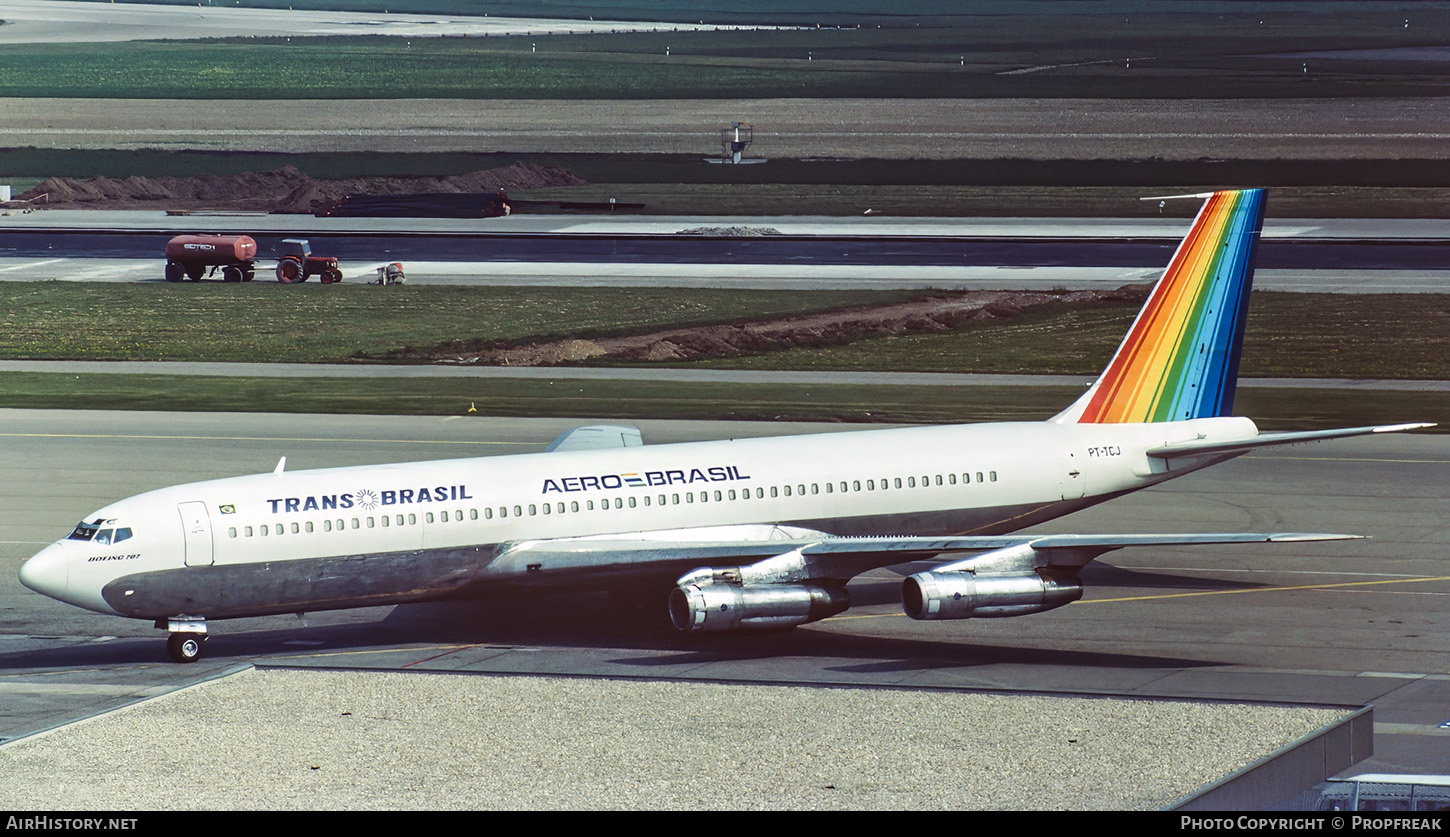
(187,640)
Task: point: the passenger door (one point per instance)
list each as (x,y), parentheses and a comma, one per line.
(196,528)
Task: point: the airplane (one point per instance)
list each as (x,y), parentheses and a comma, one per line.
(735,535)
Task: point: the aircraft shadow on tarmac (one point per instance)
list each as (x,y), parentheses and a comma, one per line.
(594,620)
(591,625)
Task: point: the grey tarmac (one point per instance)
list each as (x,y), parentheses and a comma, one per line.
(899,129)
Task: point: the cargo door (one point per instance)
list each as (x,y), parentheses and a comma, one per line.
(196,527)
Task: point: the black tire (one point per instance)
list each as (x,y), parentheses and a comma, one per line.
(186,648)
(194,272)
(290,272)
(231,273)
(331,276)
(175,272)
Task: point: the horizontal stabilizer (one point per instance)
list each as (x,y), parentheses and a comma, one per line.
(1202,447)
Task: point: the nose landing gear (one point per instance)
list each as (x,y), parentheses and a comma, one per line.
(187,640)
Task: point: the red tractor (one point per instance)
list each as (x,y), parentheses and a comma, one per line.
(298,263)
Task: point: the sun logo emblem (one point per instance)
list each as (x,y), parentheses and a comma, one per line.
(367,499)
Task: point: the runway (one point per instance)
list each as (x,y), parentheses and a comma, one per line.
(1346,623)
(1330,256)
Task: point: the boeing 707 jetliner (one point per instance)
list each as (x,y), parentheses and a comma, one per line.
(743,534)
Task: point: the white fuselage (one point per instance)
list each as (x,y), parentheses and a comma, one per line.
(345,537)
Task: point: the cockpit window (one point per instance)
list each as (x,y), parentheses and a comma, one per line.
(93,532)
(83,532)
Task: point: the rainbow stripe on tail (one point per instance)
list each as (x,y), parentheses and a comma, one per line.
(1180,360)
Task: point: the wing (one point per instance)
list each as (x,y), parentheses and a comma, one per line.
(597,437)
(740,577)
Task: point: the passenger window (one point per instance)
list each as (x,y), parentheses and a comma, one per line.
(488,514)
(428,518)
(280,530)
(979,476)
(910,482)
(308,527)
(412,520)
(574,505)
(993,475)
(326,527)
(473,514)
(296,529)
(355,524)
(248,530)
(232,532)
(631,502)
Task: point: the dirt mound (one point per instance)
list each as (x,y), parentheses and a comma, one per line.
(285,190)
(938,314)
(734,232)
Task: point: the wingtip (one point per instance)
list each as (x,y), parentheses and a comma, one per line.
(1399,428)
(1299,537)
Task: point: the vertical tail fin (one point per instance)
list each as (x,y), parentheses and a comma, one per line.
(1180,360)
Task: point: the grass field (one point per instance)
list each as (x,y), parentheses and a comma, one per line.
(1072,50)
(266,322)
(1271,409)
(1289,335)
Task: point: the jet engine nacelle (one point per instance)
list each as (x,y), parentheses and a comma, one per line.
(964,595)
(734,607)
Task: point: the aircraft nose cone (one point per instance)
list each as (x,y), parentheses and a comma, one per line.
(46,573)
